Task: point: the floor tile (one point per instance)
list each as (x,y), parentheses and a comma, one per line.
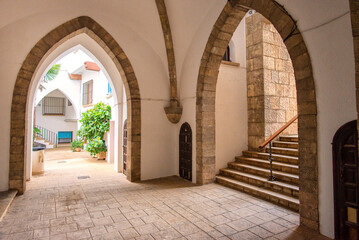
(58,205)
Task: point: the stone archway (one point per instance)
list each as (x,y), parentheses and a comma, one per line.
(219,38)
(27,72)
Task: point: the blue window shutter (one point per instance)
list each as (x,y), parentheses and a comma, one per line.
(65,135)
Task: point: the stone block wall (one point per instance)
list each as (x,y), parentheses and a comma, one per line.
(272,100)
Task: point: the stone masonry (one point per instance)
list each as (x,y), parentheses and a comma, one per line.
(174,110)
(217,43)
(270,81)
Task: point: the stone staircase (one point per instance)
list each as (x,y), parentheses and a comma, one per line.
(44,142)
(250,172)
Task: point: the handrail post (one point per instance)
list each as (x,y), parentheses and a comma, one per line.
(271,177)
(269,141)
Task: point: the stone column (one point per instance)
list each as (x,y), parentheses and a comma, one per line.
(270,82)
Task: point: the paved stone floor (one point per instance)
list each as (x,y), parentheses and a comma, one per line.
(60,205)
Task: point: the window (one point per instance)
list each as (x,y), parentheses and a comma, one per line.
(53,106)
(226,56)
(109,89)
(87,93)
(64,137)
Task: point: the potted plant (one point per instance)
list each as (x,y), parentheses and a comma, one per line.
(77,145)
(97,147)
(95,123)
(38,154)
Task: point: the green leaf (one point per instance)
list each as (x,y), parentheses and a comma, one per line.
(52,73)
(95,123)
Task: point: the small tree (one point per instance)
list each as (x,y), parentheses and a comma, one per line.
(95,123)
(50,75)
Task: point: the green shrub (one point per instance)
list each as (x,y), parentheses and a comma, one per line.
(96,146)
(95,122)
(77,143)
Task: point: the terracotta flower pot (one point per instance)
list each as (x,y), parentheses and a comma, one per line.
(101,156)
(77,150)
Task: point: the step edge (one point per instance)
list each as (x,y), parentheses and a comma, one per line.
(278,141)
(279,183)
(275,155)
(266,170)
(266,161)
(286,149)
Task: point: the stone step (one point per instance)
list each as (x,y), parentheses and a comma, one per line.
(288,138)
(46,143)
(284,151)
(276,157)
(281,176)
(275,186)
(6,199)
(277,198)
(264,163)
(60,145)
(282,144)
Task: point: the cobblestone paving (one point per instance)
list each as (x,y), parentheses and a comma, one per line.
(59,205)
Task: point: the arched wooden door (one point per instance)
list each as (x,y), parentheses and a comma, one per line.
(124,147)
(185,152)
(346,182)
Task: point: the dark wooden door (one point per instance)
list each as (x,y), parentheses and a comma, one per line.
(185,152)
(124,147)
(346,194)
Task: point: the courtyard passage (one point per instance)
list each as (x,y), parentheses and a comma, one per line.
(80,197)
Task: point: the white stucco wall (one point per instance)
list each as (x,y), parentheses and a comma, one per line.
(57,123)
(99,89)
(231,114)
(231,103)
(238,43)
(70,88)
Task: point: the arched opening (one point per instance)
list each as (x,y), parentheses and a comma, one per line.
(26,83)
(222,32)
(77,70)
(55,114)
(185,152)
(42,95)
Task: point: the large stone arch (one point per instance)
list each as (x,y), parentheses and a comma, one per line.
(219,38)
(26,75)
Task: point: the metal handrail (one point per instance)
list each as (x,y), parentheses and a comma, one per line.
(47,135)
(279,131)
(269,141)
